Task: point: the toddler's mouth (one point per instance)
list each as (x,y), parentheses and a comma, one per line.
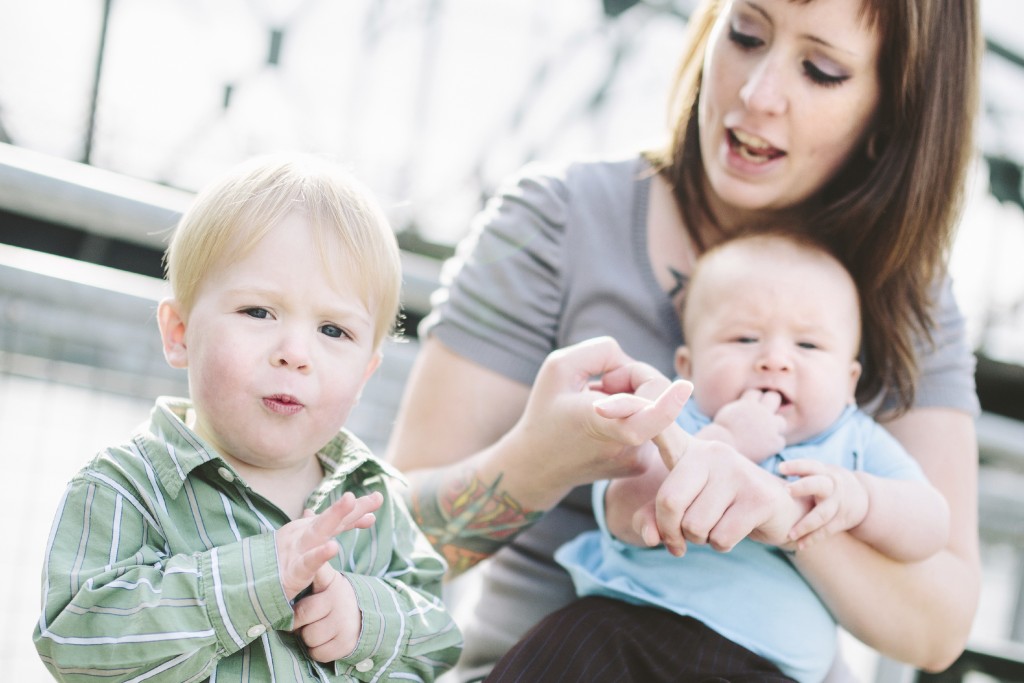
(284,404)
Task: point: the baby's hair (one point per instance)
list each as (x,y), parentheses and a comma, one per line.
(237,210)
(802,241)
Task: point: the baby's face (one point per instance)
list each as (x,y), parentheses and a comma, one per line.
(778,319)
(278,350)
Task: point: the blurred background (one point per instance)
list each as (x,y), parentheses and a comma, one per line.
(114,112)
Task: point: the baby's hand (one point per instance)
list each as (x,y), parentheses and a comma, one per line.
(751,424)
(304,545)
(328,620)
(840,499)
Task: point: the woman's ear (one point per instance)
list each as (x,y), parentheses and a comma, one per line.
(683,362)
(172,333)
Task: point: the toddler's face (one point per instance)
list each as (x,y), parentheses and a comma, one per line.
(779,320)
(277,350)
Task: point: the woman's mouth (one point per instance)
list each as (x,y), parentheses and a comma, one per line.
(752,148)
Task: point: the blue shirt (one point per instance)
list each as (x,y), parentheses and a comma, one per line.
(751,594)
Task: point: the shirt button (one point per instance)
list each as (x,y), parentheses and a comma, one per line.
(226,475)
(364,666)
(256,631)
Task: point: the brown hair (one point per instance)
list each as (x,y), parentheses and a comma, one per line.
(890,218)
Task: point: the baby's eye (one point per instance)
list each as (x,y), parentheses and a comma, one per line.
(334,331)
(746,340)
(807,345)
(256,312)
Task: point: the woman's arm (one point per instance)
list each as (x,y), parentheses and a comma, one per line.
(486,456)
(881,601)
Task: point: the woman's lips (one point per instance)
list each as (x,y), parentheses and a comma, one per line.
(752,148)
(283,404)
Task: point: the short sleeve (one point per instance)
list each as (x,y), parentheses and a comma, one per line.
(946,378)
(501,297)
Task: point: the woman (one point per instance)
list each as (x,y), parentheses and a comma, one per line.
(854,118)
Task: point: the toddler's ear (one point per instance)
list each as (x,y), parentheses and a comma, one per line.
(172,332)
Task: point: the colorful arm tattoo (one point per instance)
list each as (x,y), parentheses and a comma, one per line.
(466,519)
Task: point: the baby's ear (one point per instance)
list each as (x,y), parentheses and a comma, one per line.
(855,370)
(172,333)
(683,362)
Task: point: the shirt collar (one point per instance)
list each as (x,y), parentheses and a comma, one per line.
(175,451)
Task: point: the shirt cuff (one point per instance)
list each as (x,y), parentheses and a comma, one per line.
(381,636)
(243,592)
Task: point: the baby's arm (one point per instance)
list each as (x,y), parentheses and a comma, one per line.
(906,520)
(750,424)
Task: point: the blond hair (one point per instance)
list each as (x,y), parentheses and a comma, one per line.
(237,210)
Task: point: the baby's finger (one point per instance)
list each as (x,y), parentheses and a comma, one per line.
(801,467)
(772,400)
(813,485)
(817,518)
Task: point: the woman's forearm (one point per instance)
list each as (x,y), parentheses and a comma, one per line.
(920,613)
(917,613)
(466,517)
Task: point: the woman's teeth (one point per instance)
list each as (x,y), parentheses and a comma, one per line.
(752,148)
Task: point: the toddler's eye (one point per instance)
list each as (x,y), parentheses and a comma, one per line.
(334,331)
(256,312)
(807,345)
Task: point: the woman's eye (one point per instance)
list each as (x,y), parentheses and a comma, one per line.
(256,312)
(334,331)
(744,40)
(822,77)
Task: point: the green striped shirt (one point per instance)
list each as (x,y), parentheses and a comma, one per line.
(161,566)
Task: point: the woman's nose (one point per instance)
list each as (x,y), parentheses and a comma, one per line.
(765,89)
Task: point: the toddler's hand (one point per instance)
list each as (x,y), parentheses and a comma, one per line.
(328,620)
(304,545)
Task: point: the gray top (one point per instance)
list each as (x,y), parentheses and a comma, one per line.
(558,256)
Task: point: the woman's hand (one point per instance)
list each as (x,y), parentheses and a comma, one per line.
(712,494)
(575,443)
(715,495)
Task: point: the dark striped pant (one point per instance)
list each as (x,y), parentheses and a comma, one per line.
(596,639)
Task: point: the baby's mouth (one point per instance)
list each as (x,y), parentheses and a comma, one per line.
(785,399)
(752,148)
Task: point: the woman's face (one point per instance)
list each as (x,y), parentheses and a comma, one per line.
(788,92)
